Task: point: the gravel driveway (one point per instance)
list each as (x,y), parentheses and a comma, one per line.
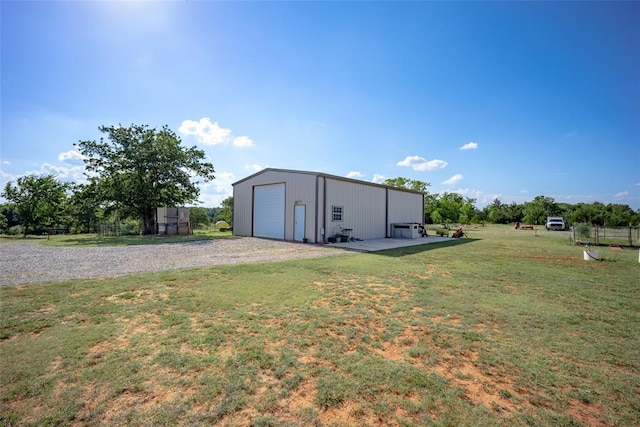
(22,263)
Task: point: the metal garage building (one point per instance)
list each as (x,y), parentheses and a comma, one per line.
(312,206)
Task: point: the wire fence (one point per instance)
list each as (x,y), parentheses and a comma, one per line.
(110,229)
(597,235)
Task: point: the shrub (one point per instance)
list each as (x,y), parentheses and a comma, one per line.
(583,230)
(16,230)
(130,227)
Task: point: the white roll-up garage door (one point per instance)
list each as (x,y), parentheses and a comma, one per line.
(268,211)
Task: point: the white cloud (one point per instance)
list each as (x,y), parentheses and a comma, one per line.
(63,173)
(469,146)
(421,164)
(205,131)
(7,176)
(211,133)
(214,192)
(7,162)
(524,191)
(637,184)
(71,156)
(454,179)
(378,178)
(242,141)
(224,179)
(355,175)
(222,184)
(622,194)
(254,167)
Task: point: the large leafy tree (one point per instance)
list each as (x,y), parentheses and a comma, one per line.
(619,215)
(8,212)
(468,211)
(37,200)
(495,212)
(537,210)
(226,210)
(502,213)
(4,222)
(198,217)
(84,207)
(139,168)
(449,206)
(410,184)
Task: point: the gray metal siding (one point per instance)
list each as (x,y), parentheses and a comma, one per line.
(405,207)
(242,210)
(363,209)
(299,188)
(319,215)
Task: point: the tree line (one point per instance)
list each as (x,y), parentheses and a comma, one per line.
(451,208)
(138,168)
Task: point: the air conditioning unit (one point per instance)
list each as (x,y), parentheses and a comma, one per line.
(405,231)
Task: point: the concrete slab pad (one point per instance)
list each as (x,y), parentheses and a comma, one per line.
(374,245)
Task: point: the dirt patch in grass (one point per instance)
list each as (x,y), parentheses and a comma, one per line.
(350,413)
(427,274)
(554,259)
(446,320)
(132,296)
(478,387)
(302,397)
(414,345)
(390,351)
(460,368)
(587,414)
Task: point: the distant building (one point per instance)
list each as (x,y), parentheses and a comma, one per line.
(314,207)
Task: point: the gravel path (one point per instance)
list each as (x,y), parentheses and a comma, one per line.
(23,263)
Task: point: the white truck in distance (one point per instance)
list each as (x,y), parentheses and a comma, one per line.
(555,223)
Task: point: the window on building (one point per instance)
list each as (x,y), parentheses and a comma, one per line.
(336,213)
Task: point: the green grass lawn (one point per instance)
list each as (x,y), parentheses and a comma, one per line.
(508,327)
(126,240)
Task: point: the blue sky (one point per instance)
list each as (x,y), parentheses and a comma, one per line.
(505,100)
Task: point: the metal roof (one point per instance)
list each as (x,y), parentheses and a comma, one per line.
(326,175)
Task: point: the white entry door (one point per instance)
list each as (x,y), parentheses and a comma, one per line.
(299,224)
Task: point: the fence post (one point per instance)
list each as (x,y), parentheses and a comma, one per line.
(573,230)
(630,240)
(595,234)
